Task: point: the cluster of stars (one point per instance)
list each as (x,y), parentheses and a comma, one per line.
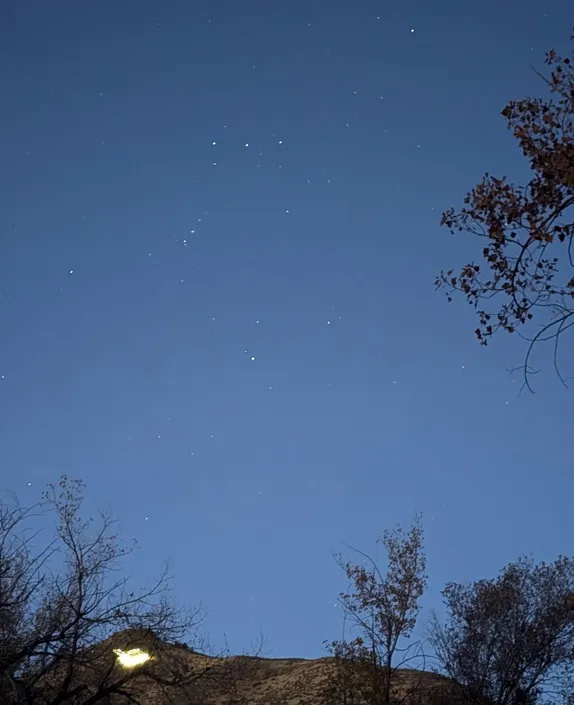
(192,231)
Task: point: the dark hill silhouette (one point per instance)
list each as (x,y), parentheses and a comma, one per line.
(243,680)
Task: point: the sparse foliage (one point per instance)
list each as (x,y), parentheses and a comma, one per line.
(528,263)
(384,609)
(510,641)
(64,608)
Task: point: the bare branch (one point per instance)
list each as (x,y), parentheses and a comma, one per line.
(60,606)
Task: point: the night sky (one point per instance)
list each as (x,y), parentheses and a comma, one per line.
(219,234)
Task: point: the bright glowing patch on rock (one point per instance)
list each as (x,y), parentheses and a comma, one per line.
(132,657)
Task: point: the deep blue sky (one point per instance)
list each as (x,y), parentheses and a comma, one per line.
(218,238)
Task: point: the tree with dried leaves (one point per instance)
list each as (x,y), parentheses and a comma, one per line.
(66,614)
(528,229)
(384,610)
(510,641)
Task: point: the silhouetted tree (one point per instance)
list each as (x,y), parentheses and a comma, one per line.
(528,264)
(510,641)
(66,613)
(384,609)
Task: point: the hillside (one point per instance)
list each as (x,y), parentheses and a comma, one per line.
(240,680)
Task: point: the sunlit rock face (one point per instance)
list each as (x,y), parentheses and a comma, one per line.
(132,657)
